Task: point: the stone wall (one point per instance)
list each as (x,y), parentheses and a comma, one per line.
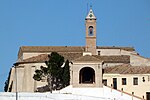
(76,67)
(25,81)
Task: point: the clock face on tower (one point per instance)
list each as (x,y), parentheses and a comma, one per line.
(90,31)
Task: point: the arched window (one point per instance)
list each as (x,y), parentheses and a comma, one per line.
(87,75)
(91,31)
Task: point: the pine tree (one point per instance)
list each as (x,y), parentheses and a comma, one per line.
(57,75)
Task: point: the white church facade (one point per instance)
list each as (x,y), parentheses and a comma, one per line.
(93,66)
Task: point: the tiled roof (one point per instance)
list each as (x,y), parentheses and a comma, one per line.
(52,48)
(59,49)
(39,58)
(88,58)
(114,59)
(44,57)
(114,47)
(79,57)
(127,69)
(71,56)
(66,48)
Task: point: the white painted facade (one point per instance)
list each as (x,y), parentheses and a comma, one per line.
(140,89)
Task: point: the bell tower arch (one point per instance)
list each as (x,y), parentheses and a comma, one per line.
(90,24)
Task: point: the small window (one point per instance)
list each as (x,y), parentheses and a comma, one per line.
(91,30)
(135,81)
(99,52)
(124,81)
(105,82)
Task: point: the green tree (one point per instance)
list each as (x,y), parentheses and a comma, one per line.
(66,74)
(53,72)
(7,83)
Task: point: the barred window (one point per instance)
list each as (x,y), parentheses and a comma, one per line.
(135,81)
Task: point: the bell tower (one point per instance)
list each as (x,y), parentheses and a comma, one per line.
(90,23)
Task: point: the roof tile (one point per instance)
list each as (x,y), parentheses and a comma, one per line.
(52,48)
(114,59)
(88,58)
(127,69)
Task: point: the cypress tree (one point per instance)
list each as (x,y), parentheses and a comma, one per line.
(66,74)
(7,83)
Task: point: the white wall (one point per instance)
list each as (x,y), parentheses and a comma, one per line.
(105,92)
(109,52)
(113,52)
(25,73)
(47,96)
(142,87)
(70,93)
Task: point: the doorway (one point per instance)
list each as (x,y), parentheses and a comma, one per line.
(115,83)
(87,75)
(147,95)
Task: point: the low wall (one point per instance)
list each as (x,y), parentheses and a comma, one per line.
(46,96)
(119,95)
(69,93)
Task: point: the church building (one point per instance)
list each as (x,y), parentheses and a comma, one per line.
(120,68)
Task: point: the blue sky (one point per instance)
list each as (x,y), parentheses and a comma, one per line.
(61,23)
